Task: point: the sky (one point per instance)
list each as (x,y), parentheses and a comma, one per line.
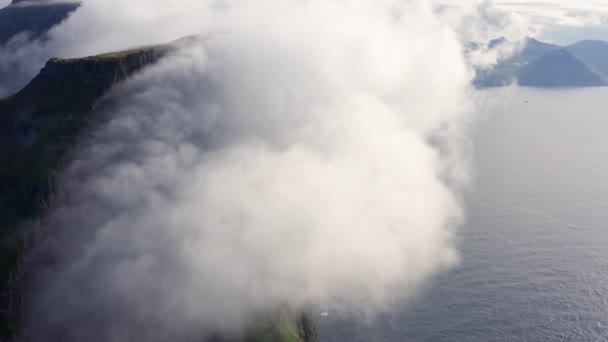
(557,21)
(564,21)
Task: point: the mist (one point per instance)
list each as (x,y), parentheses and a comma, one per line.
(112,25)
(295,154)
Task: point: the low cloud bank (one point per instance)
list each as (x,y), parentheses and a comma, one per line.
(301,152)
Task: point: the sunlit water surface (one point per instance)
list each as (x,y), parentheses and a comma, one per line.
(535,248)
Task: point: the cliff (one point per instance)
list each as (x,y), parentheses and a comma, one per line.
(39,122)
(35,17)
(37,127)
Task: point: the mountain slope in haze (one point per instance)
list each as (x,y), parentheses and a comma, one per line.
(593,52)
(505,73)
(559,69)
(539,64)
(34,17)
(534,50)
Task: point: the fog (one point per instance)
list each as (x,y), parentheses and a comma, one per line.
(296,153)
(534,236)
(100,26)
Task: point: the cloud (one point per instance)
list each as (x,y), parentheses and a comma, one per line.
(112,25)
(558,21)
(516,19)
(479,22)
(482,21)
(564,21)
(560,12)
(300,152)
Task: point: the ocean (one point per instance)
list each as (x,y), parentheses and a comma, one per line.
(535,245)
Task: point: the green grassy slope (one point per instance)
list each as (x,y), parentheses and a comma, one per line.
(288,327)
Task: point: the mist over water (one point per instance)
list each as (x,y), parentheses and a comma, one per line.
(534,249)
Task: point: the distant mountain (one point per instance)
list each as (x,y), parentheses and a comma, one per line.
(34,17)
(538,64)
(535,49)
(559,68)
(593,52)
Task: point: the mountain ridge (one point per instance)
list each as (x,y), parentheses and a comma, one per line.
(540,64)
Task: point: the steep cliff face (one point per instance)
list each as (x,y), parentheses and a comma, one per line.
(40,121)
(34,17)
(37,127)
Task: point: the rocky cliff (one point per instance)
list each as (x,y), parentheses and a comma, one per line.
(37,127)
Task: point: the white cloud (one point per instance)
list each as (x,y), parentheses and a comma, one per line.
(536,17)
(288,159)
(113,25)
(551,14)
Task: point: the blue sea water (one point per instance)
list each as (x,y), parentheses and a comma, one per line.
(535,246)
